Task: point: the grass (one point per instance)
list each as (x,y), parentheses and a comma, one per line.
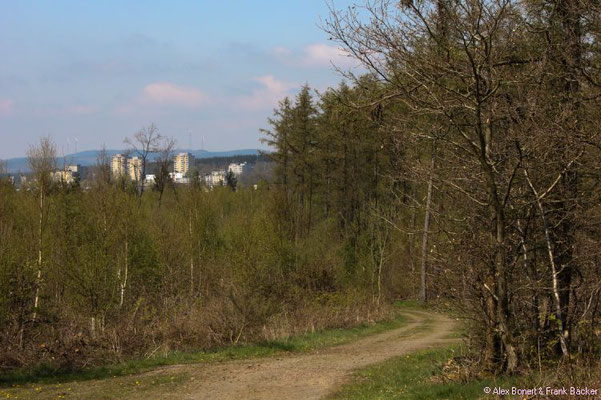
(418,376)
(45,374)
(411,377)
(137,386)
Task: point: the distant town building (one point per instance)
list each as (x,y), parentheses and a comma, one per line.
(62,176)
(215,178)
(237,169)
(134,167)
(118,165)
(182,163)
(179,177)
(151,178)
(67,175)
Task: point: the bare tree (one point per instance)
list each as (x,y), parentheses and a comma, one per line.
(103,168)
(144,142)
(561,328)
(163,161)
(42,162)
(3,170)
(401,44)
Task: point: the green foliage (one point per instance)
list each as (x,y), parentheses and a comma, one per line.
(201,269)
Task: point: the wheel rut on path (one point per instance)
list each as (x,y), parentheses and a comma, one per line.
(307,376)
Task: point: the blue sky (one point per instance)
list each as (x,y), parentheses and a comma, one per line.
(94,72)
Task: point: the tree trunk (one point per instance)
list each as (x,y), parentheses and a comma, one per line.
(570,14)
(38,283)
(123,282)
(424,262)
(191,255)
(503,312)
(562,333)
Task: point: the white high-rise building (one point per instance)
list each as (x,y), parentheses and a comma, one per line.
(182,163)
(237,169)
(118,165)
(134,166)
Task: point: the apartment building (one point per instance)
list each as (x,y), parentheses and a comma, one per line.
(118,163)
(182,163)
(237,168)
(134,167)
(67,175)
(215,178)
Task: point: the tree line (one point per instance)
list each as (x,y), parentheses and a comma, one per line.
(107,269)
(472,144)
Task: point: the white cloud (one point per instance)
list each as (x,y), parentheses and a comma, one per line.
(6,107)
(266,94)
(281,51)
(320,54)
(273,90)
(168,94)
(316,55)
(272,85)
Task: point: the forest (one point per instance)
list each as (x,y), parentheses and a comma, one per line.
(460,166)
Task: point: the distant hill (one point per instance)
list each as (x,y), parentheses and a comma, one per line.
(88,158)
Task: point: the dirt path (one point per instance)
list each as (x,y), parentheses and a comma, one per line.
(302,377)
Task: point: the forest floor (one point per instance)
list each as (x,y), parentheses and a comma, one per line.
(313,375)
